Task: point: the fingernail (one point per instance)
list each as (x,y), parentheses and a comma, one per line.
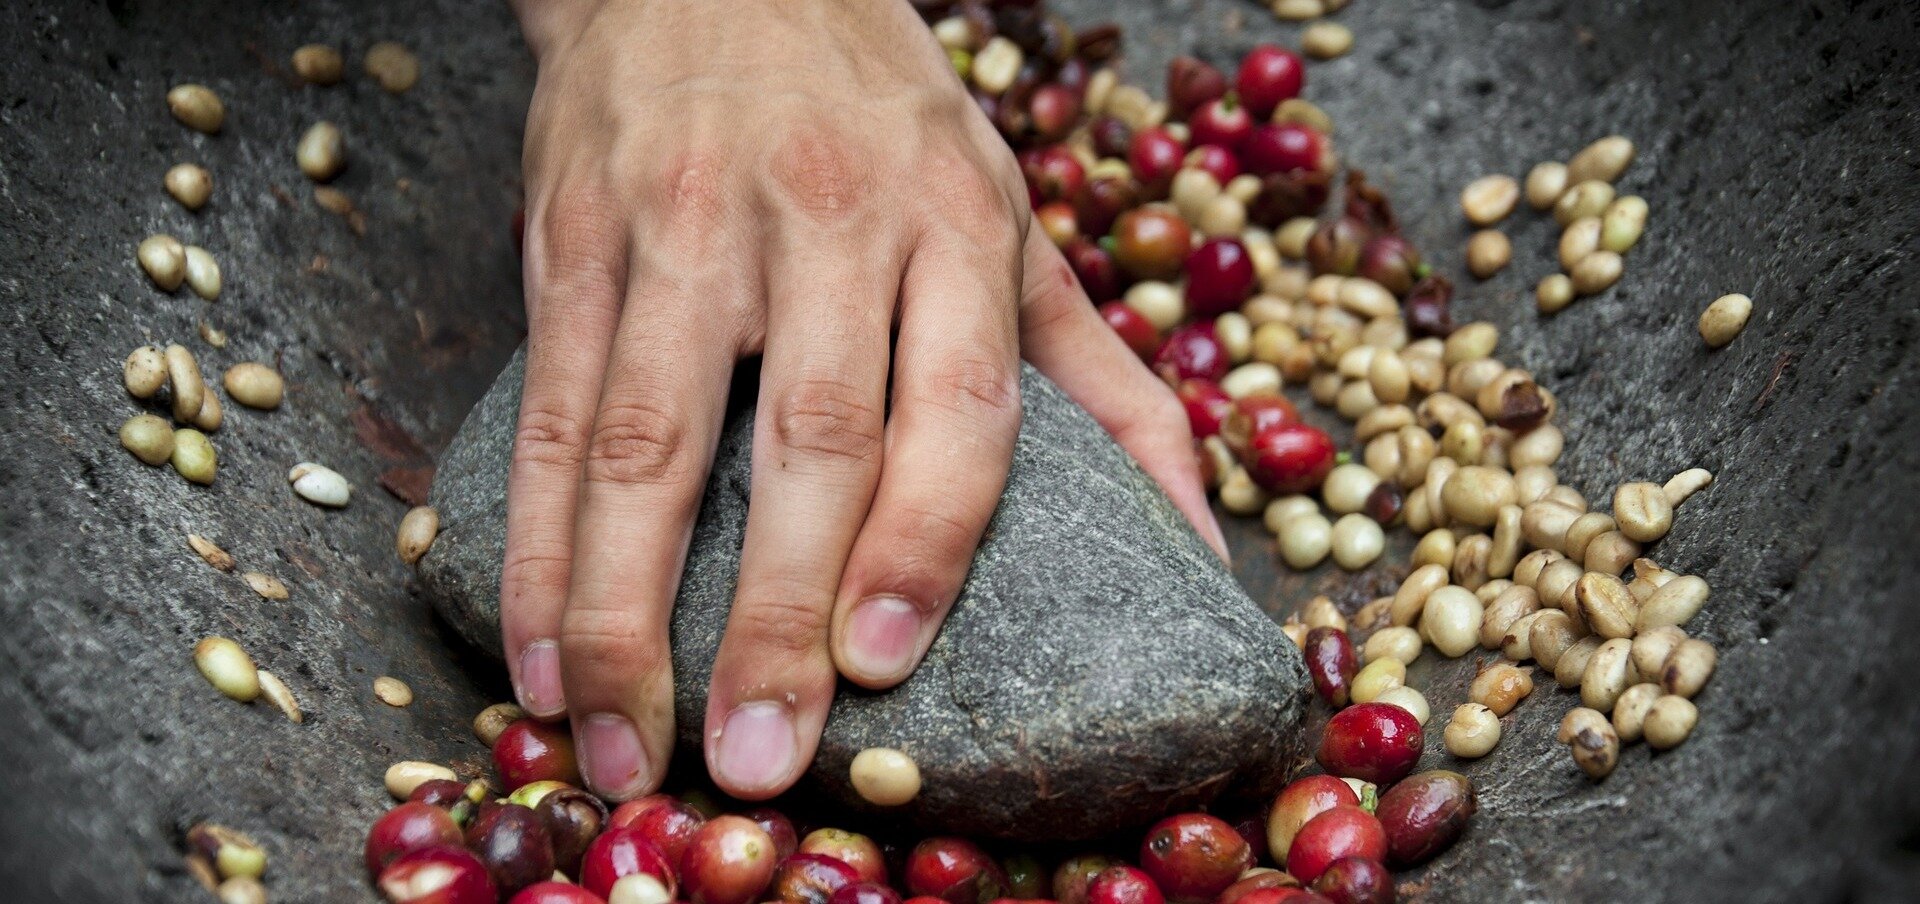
(611,757)
(539,687)
(883,634)
(757,746)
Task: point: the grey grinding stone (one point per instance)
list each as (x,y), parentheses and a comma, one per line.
(1100,666)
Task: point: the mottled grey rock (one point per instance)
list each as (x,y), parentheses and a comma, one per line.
(1099,666)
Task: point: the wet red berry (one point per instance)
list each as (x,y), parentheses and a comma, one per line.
(408,827)
(778,827)
(1101,201)
(1206,405)
(1267,76)
(1300,801)
(1356,880)
(1150,243)
(622,851)
(1193,856)
(865,893)
(669,824)
(1241,891)
(1217,161)
(437,875)
(1290,458)
(954,870)
(574,819)
(1283,896)
(1074,874)
(1222,122)
(729,860)
(1099,276)
(1133,328)
(552,892)
(1059,222)
(1331,664)
(1283,147)
(531,750)
(1191,83)
(1391,261)
(1053,110)
(1155,156)
(440,792)
(1253,415)
(1053,172)
(1190,352)
(810,879)
(1112,137)
(1373,742)
(513,843)
(1344,831)
(1424,815)
(1219,277)
(1124,885)
(850,848)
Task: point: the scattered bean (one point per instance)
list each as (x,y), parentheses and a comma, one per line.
(1160,303)
(493,720)
(1500,687)
(1585,199)
(1436,547)
(266,585)
(212,336)
(1688,667)
(228,668)
(1642,511)
(1681,487)
(1581,238)
(1470,558)
(885,777)
(417,531)
(1305,540)
(392,691)
(278,694)
(1322,613)
(1410,600)
(255,385)
(1669,721)
(190,184)
(1596,748)
(1357,541)
(1573,662)
(1473,731)
(1517,644)
(1606,605)
(403,777)
(210,552)
(1611,552)
(149,438)
(1546,182)
(1651,649)
(1451,621)
(321,152)
(1507,607)
(1326,40)
(1553,293)
(393,66)
(193,456)
(1630,710)
(1724,319)
(1489,199)
(320,485)
(197,108)
(1398,643)
(164,259)
(1604,160)
(241,890)
(1488,252)
(1623,223)
(318,64)
(203,273)
(1608,674)
(1596,272)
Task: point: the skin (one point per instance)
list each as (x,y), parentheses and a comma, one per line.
(806,182)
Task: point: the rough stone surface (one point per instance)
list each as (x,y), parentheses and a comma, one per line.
(1776,151)
(1099,667)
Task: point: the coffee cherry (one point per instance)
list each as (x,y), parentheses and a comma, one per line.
(1222,123)
(1053,172)
(1356,880)
(1191,83)
(1344,831)
(1284,147)
(1149,243)
(662,819)
(531,750)
(1099,276)
(1267,76)
(810,879)
(1290,458)
(512,842)
(552,892)
(437,875)
(1192,352)
(1374,742)
(1219,277)
(1299,802)
(1124,885)
(1193,856)
(779,828)
(1253,415)
(1155,156)
(405,828)
(622,851)
(865,893)
(729,860)
(1424,814)
(1074,874)
(850,848)
(1330,663)
(1206,405)
(954,870)
(1215,161)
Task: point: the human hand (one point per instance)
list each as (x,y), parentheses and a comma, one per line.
(806,181)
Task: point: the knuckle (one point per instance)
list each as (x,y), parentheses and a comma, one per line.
(637,443)
(531,567)
(781,625)
(972,199)
(820,174)
(688,197)
(1054,295)
(585,241)
(827,417)
(935,536)
(549,436)
(602,640)
(977,388)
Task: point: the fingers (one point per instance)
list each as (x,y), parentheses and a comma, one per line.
(956,411)
(575,274)
(1062,334)
(642,478)
(816,459)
